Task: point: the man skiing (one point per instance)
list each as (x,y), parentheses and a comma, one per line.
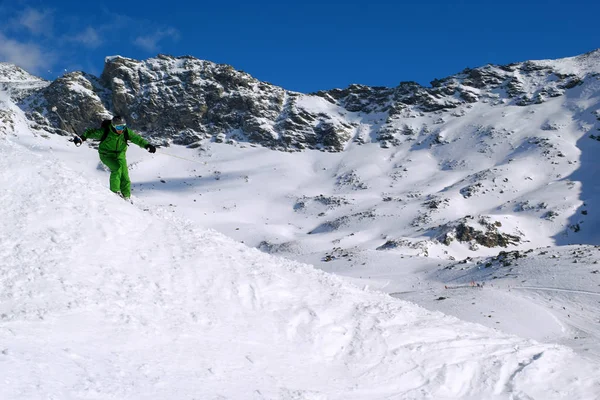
(113,138)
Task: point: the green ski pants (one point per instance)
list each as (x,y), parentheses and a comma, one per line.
(119,173)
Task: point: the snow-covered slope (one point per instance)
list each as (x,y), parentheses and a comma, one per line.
(550,294)
(103,299)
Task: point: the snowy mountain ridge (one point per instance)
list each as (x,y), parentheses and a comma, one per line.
(18,83)
(12,73)
(186,100)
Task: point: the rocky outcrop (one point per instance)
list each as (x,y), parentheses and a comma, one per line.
(80,99)
(483,232)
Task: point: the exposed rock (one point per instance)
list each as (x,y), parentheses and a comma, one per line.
(277,248)
(338,253)
(470,190)
(329,202)
(80,100)
(352,180)
(489,236)
(434,203)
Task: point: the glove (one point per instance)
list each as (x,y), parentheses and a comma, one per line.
(77,141)
(151,148)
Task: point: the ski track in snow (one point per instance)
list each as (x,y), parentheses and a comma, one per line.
(104,300)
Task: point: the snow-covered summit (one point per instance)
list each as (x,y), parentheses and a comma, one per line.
(18,83)
(12,73)
(588,63)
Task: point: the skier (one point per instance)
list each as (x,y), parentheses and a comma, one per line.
(113,136)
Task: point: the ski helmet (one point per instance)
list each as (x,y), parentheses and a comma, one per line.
(118,120)
(119,124)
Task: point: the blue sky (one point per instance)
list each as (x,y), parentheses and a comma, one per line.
(300,45)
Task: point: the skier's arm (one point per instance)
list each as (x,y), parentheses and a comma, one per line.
(137,139)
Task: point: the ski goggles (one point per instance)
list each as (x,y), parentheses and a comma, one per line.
(120,127)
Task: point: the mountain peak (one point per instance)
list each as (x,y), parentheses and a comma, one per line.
(13,73)
(580,65)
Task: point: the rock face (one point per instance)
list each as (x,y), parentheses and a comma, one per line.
(185,100)
(80,99)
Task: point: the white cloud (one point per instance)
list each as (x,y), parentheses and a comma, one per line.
(150,42)
(28,56)
(89,38)
(38,22)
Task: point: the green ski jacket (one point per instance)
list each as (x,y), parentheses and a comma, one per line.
(114,143)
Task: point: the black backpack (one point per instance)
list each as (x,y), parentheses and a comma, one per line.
(106,124)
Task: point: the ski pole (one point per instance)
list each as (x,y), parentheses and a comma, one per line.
(181,158)
(62,121)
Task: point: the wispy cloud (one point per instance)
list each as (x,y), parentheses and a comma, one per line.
(38,22)
(90,37)
(150,42)
(28,56)
(44,39)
